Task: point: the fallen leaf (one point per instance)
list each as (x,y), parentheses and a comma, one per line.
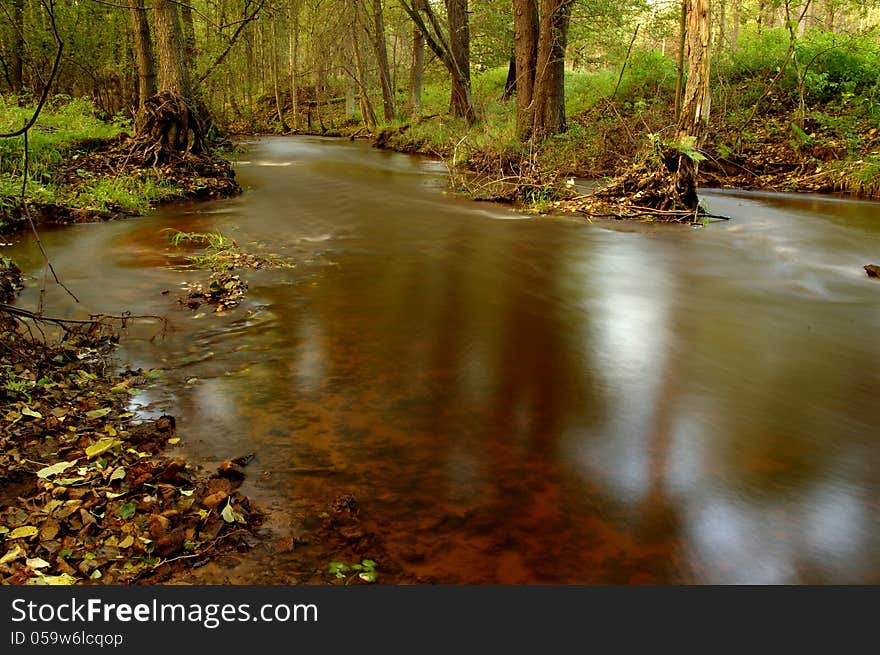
(127,511)
(127,542)
(101,447)
(118,474)
(37,563)
(25,531)
(53,580)
(27,411)
(98,413)
(12,555)
(55,469)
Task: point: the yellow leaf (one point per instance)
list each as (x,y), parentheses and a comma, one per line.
(24,531)
(55,469)
(101,446)
(53,580)
(12,555)
(127,542)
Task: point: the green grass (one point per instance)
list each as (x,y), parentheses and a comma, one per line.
(62,132)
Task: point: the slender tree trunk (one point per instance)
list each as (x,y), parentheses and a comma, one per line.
(525,44)
(382,59)
(460,49)
(173,74)
(275,84)
(350,87)
(143,53)
(682,35)
(548,102)
(416,73)
(734,39)
(426,21)
(293,39)
(367,112)
(722,17)
(16,68)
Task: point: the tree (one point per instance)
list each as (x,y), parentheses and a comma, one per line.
(382,59)
(453,52)
(170,124)
(525,45)
(173,73)
(540,34)
(694,117)
(417,73)
(143,54)
(16,72)
(667,180)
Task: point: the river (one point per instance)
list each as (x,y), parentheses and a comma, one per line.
(519,399)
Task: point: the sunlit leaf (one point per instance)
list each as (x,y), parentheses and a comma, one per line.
(24,532)
(12,555)
(27,411)
(54,469)
(53,580)
(101,446)
(126,511)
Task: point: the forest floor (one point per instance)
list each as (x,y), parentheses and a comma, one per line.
(89,491)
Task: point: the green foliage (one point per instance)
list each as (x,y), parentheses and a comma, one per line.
(834,66)
(365,571)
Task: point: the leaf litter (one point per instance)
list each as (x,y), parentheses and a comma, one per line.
(87,493)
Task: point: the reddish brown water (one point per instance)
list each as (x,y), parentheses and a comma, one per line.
(523,400)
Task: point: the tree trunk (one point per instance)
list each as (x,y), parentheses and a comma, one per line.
(460,49)
(416,73)
(367,112)
(419,11)
(682,36)
(667,180)
(189,33)
(143,53)
(171,124)
(734,38)
(292,61)
(382,59)
(548,102)
(275,85)
(695,103)
(16,68)
(173,74)
(525,45)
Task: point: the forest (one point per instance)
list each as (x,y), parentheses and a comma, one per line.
(614,112)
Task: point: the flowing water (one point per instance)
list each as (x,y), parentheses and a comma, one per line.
(518,399)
